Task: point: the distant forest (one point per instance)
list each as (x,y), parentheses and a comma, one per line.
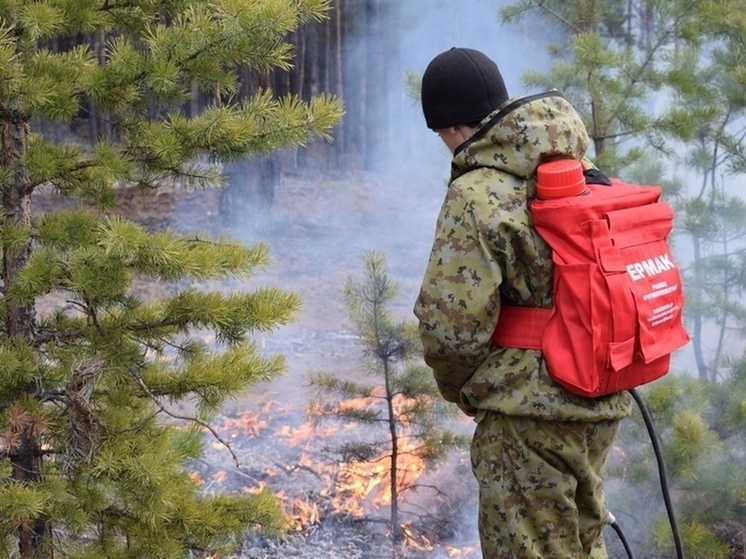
(344,55)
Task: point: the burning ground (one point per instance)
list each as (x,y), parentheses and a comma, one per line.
(339,508)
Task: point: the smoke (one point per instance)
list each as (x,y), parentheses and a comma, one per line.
(424,33)
(411,160)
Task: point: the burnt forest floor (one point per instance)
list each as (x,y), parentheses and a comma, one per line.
(322,225)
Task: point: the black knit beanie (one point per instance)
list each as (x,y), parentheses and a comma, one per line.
(461,86)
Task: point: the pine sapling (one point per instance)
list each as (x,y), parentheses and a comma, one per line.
(400,400)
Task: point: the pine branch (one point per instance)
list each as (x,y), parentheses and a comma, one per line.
(559,17)
(299,466)
(112,6)
(45,337)
(157,325)
(325,382)
(132,62)
(319,412)
(190,419)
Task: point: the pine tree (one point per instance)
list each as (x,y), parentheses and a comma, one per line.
(701,429)
(91,464)
(713,214)
(403,401)
(610,62)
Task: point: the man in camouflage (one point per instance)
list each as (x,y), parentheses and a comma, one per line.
(538,451)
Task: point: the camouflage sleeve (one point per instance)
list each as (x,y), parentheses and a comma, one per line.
(459,300)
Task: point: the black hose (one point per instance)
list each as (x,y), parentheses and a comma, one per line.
(618,530)
(661,472)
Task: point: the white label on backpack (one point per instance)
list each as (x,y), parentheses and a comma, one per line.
(650,267)
(663,314)
(660,290)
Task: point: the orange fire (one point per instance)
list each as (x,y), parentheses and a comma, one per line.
(306,434)
(302,513)
(353,488)
(370,481)
(460,551)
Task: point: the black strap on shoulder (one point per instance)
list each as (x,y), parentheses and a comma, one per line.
(594,176)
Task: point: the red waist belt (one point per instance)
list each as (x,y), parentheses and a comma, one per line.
(521,327)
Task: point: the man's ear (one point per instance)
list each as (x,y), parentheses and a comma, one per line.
(464,130)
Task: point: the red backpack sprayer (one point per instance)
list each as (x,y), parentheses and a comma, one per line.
(618,303)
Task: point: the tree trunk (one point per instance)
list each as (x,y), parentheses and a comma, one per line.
(337,86)
(17,211)
(697,333)
(103,128)
(354,76)
(248,196)
(376,86)
(25,456)
(396,529)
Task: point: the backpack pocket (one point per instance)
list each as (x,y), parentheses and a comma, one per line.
(651,276)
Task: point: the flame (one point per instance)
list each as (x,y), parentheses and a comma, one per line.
(219,476)
(307,434)
(369,482)
(252,424)
(246,424)
(303,513)
(415,540)
(459,551)
(256,489)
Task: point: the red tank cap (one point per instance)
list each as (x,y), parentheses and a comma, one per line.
(560,178)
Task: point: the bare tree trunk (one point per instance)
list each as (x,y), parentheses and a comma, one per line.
(314,72)
(337,84)
(301,44)
(697,340)
(647,25)
(382,45)
(248,196)
(376,90)
(325,55)
(17,210)
(194,107)
(354,76)
(103,126)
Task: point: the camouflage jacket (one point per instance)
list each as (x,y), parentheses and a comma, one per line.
(486,254)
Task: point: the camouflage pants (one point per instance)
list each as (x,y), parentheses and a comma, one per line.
(541,487)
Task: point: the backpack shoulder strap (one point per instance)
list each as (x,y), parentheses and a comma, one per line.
(523,327)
